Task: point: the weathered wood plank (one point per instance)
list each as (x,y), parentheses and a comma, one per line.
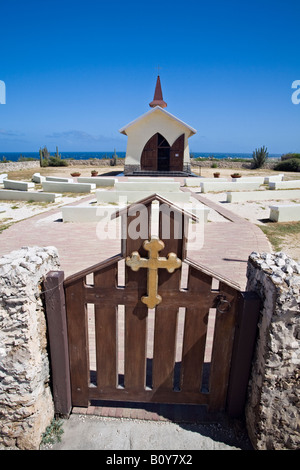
(106,331)
(164,347)
(171,230)
(195,330)
(78,342)
(194,340)
(222,349)
(58,340)
(149,396)
(135,347)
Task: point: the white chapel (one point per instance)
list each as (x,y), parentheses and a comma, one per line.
(157,141)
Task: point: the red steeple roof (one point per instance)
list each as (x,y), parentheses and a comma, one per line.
(158,97)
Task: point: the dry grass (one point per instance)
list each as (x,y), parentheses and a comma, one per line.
(281,234)
(65,172)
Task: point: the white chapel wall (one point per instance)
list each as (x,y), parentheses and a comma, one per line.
(140,132)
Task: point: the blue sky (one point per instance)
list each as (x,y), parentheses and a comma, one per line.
(77,71)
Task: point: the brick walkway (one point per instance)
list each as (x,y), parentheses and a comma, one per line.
(226,249)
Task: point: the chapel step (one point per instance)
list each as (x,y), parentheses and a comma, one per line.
(159,173)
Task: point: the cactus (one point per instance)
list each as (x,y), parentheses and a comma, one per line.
(113,161)
(260,156)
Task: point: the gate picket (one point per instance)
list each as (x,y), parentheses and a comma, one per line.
(195,330)
(135,347)
(106,331)
(193,349)
(222,351)
(164,347)
(78,343)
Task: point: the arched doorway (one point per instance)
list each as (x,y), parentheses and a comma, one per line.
(163,153)
(156,154)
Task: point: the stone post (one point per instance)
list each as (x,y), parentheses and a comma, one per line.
(26,405)
(272,410)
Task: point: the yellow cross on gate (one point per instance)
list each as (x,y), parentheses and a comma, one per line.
(153,263)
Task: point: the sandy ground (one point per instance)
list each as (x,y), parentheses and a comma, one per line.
(255,212)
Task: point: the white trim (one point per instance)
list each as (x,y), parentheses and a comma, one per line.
(153,110)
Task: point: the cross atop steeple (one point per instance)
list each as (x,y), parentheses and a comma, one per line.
(158,97)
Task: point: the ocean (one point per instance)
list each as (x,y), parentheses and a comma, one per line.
(15,156)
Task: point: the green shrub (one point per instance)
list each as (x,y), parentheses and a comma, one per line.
(292,164)
(47,160)
(57,161)
(26,159)
(53,161)
(260,156)
(287,156)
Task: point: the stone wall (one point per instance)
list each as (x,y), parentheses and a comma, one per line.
(26,405)
(100,162)
(15,166)
(272,411)
(226,163)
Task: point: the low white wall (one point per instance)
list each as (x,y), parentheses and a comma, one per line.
(84,214)
(114,197)
(196,181)
(59,179)
(285,184)
(262,195)
(3,176)
(18,185)
(249,179)
(285,213)
(11,195)
(272,178)
(227,186)
(152,186)
(141,179)
(98,181)
(37,178)
(56,187)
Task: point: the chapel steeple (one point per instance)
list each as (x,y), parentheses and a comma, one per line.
(158,97)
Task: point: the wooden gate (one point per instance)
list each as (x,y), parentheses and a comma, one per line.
(194,347)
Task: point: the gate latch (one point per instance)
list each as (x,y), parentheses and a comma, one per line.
(222,304)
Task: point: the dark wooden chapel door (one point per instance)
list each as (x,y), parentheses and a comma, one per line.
(176,154)
(149,155)
(156,154)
